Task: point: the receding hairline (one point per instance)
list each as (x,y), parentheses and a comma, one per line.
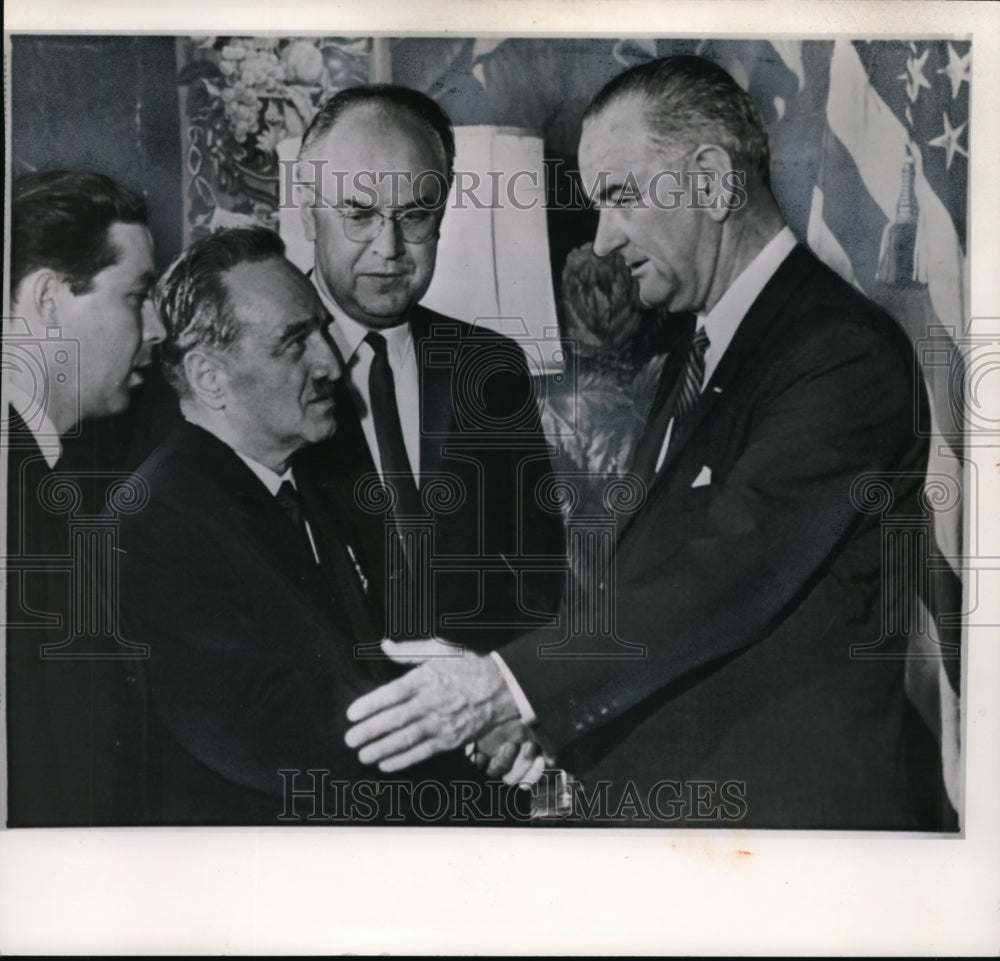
(645,105)
(249,269)
(381,110)
(688,99)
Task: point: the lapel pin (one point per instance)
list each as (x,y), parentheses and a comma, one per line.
(357,569)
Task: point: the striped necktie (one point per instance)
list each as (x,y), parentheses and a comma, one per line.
(693,381)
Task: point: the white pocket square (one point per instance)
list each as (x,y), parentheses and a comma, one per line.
(704,478)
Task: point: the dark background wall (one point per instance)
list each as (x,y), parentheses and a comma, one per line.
(107,104)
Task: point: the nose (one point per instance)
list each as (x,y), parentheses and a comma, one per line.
(389,242)
(153,331)
(323,362)
(608,238)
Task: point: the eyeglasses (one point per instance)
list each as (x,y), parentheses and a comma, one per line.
(363,225)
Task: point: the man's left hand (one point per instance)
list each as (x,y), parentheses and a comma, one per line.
(510,752)
(452,698)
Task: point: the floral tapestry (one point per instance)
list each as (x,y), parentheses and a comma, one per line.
(239,98)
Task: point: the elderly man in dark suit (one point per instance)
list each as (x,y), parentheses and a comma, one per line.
(232,574)
(444,411)
(752,578)
(81,264)
(242,577)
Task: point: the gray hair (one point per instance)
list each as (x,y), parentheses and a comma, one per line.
(691,100)
(192,298)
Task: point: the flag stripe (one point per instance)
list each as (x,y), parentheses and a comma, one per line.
(860,119)
(857,223)
(823,242)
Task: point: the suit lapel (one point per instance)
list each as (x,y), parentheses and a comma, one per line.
(348,449)
(661,410)
(337,467)
(340,559)
(794,271)
(435,379)
(253,507)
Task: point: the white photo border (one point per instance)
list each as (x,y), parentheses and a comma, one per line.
(530,891)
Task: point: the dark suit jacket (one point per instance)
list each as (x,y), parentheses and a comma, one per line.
(480,431)
(251,664)
(750,592)
(72,731)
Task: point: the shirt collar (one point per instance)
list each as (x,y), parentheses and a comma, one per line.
(37,421)
(348,334)
(272,480)
(724,318)
(269,478)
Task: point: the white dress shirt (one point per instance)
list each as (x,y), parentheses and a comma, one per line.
(272,480)
(349,336)
(37,421)
(722,321)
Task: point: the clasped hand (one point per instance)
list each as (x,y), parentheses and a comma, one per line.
(452,698)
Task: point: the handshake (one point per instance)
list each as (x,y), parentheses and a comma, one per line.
(451,699)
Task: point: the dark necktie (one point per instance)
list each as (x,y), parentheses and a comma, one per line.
(396,469)
(676,398)
(407,607)
(291,503)
(691,385)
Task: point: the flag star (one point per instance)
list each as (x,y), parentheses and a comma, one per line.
(959,70)
(949,141)
(914,75)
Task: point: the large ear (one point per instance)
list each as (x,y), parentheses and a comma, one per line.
(308,222)
(304,196)
(712,186)
(40,295)
(207,377)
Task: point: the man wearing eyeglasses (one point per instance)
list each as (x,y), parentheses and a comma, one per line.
(755,575)
(442,412)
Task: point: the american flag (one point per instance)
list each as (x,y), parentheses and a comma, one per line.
(870,154)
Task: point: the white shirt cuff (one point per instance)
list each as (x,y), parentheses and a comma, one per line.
(528,716)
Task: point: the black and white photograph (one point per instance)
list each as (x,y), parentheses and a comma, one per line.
(423,438)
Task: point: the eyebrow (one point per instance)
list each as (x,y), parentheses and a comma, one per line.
(355,204)
(606,191)
(295,330)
